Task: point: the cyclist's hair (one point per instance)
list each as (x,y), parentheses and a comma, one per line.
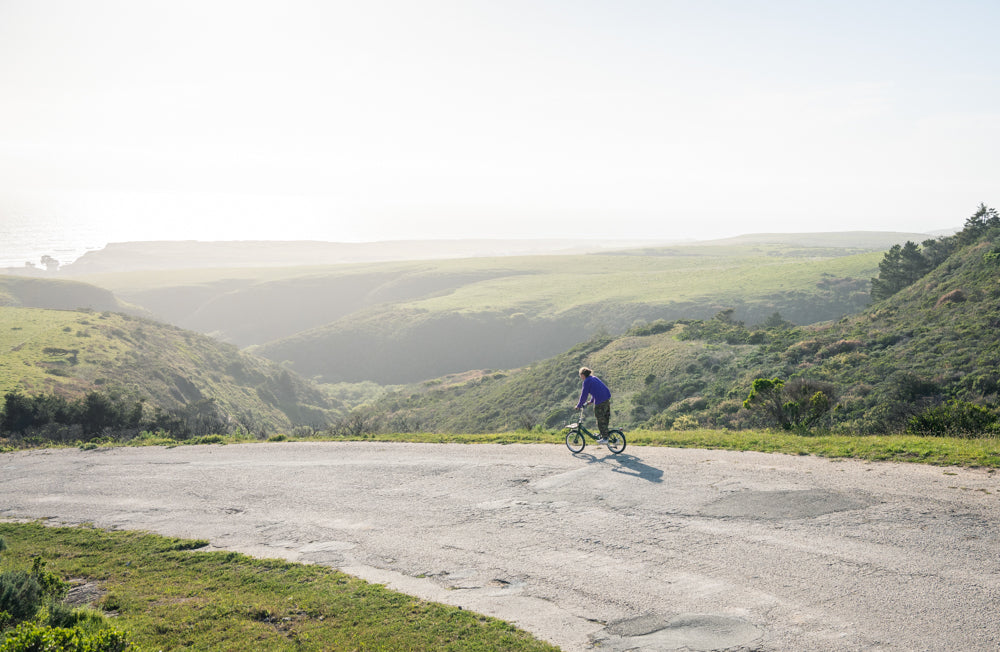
(584,371)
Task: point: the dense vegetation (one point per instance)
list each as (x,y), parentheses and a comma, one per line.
(35,616)
(905,264)
(69,375)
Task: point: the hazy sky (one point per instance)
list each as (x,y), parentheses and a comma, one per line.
(372,120)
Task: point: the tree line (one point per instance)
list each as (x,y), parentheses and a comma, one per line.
(53,416)
(905,264)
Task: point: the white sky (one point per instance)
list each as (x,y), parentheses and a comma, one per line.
(383,119)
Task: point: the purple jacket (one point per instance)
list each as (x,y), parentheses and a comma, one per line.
(593,386)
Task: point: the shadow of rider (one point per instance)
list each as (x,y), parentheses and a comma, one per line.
(627,464)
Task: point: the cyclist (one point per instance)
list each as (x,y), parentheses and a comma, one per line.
(600,396)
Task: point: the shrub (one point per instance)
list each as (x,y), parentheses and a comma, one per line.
(955,296)
(984,384)
(62,615)
(51,584)
(207,439)
(20,595)
(955,419)
(840,346)
(798,404)
(801,350)
(690,404)
(31,636)
(685,422)
(658,326)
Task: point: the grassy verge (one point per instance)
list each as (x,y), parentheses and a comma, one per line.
(941,451)
(168,596)
(944,451)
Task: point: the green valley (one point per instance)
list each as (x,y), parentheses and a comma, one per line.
(754,332)
(406,321)
(923,360)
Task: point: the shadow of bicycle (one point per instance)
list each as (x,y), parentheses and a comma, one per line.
(627,464)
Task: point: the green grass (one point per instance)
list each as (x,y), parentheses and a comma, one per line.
(943,451)
(723,273)
(538,286)
(44,349)
(71,353)
(168,596)
(940,451)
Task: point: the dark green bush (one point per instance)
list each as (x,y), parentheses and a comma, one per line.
(798,404)
(20,594)
(51,584)
(31,636)
(954,419)
(63,615)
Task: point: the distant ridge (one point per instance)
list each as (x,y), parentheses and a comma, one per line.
(859,239)
(59,294)
(190,254)
(193,254)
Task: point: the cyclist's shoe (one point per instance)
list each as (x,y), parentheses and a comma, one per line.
(602,440)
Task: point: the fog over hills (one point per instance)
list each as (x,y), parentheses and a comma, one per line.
(407,310)
(192,254)
(196,254)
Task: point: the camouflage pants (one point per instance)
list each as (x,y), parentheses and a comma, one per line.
(603,414)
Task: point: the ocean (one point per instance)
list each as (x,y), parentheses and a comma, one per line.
(26,239)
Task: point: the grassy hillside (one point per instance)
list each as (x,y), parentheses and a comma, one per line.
(908,355)
(69,353)
(57,294)
(401,322)
(536,307)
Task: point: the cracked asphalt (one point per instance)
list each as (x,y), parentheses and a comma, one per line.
(654,549)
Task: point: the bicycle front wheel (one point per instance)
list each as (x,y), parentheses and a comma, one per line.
(575,441)
(616,441)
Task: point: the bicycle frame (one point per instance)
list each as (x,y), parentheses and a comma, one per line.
(616,438)
(583,429)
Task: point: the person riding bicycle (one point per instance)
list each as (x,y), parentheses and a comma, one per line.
(600,396)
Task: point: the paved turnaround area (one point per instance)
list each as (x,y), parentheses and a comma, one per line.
(654,549)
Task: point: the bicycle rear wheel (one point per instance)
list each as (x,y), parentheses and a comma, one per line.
(575,441)
(616,441)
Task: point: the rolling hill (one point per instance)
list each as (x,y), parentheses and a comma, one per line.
(541,306)
(399,322)
(70,353)
(59,294)
(494,343)
(932,342)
